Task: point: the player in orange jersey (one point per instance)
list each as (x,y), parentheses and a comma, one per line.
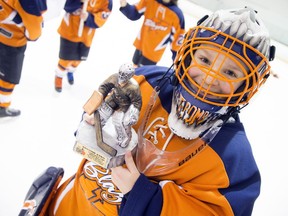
(75,41)
(20,21)
(163,24)
(193,156)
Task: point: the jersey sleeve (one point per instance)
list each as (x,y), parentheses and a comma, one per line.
(31,15)
(134,12)
(98,14)
(136,98)
(192,198)
(178,32)
(144,199)
(107,85)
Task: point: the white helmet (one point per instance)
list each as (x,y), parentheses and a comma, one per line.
(239,35)
(126,72)
(243,24)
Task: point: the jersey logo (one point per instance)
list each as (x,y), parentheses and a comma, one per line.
(106,192)
(158,132)
(150,23)
(157,129)
(105,14)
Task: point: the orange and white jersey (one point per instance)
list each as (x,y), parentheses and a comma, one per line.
(21,21)
(163,24)
(89,192)
(189,178)
(98,13)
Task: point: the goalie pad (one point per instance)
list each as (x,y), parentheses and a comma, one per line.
(131,116)
(41,192)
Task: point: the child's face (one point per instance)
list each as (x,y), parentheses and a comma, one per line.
(216,72)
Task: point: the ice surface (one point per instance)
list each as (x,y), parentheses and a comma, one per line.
(44,133)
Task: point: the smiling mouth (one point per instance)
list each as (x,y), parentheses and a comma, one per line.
(203,92)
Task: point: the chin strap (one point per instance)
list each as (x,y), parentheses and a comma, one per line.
(166,78)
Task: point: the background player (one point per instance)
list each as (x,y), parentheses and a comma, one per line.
(20,21)
(75,47)
(163,24)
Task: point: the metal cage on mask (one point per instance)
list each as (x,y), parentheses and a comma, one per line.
(256,66)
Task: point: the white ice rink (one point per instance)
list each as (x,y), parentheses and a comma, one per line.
(43,135)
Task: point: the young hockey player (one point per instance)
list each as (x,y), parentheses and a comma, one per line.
(193,156)
(76,31)
(163,24)
(20,21)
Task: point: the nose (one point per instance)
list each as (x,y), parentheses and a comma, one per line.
(210,79)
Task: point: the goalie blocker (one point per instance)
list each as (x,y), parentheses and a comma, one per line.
(41,192)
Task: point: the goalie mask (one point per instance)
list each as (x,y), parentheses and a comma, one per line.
(126,72)
(220,66)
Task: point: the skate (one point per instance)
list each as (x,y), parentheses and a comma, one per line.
(9,112)
(58,84)
(70,78)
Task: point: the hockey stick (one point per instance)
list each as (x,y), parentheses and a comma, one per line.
(99,136)
(81,25)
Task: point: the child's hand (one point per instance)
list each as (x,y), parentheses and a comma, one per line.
(125,177)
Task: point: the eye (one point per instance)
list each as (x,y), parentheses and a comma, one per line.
(204,60)
(231,73)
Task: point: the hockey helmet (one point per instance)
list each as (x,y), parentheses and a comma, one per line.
(240,36)
(235,36)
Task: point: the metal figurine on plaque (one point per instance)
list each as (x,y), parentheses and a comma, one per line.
(106,132)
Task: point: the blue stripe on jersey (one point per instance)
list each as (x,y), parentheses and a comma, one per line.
(151,200)
(240,167)
(110,5)
(6,90)
(90,22)
(17,19)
